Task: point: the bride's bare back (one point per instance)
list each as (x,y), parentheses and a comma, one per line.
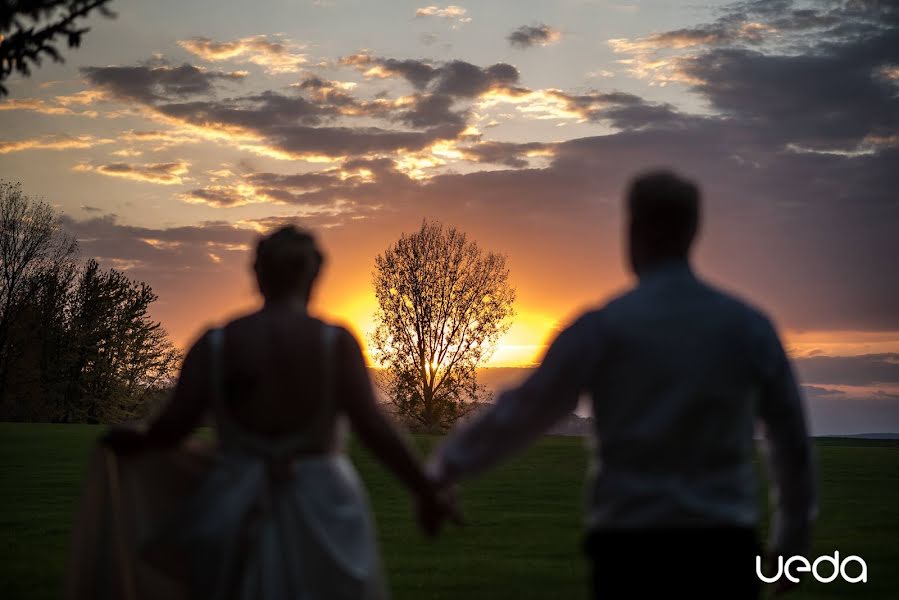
(274,370)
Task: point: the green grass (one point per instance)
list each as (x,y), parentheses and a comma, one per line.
(524,519)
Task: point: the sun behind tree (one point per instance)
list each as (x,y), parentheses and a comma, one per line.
(442,305)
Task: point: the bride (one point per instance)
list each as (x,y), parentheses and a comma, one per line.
(277,510)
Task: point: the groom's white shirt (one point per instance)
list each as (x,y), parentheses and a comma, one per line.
(679,375)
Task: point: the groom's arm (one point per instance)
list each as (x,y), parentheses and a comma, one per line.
(789,456)
(523,413)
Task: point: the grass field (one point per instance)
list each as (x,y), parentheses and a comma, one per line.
(524,532)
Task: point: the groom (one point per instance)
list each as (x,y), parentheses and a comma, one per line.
(679,373)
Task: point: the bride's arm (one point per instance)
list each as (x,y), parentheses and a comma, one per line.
(374,428)
(385,440)
(181,415)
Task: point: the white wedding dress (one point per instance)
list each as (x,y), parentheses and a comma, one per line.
(254,519)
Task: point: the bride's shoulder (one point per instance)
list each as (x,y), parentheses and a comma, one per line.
(341,331)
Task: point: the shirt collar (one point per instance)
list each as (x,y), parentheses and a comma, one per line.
(667,269)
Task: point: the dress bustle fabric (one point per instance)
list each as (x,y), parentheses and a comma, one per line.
(258,518)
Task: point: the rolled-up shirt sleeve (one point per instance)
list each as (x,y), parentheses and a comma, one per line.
(521,414)
(789,457)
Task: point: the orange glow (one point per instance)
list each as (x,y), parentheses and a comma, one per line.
(840,343)
(523,345)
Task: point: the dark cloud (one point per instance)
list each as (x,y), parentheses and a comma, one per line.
(533,35)
(818,76)
(217,196)
(417,72)
(327,92)
(354,141)
(156,81)
(301,181)
(166,173)
(460,78)
(621,110)
(757,22)
(865,370)
(454,78)
(506,153)
(430,110)
(829,99)
(288,125)
(107,227)
(266,110)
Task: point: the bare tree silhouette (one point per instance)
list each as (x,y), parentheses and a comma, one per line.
(443,303)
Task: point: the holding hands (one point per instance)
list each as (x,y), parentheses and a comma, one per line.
(437,503)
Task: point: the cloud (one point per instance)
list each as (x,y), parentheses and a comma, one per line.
(156,80)
(451,13)
(432,110)
(455,78)
(34,105)
(334,190)
(167,173)
(274,55)
(52,142)
(816,77)
(223,196)
(287,135)
(463,79)
(507,153)
(834,412)
(314,121)
(811,112)
(157,139)
(82,98)
(528,36)
(621,110)
(310,123)
(863,370)
(172,259)
(60,105)
(800,191)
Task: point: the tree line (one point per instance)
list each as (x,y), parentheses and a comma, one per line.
(77,344)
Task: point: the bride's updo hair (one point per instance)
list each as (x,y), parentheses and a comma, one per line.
(287,262)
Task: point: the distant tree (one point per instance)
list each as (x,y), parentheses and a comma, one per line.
(120,356)
(443,303)
(77,343)
(29,31)
(33,248)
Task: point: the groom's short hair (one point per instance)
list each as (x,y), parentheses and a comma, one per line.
(664,211)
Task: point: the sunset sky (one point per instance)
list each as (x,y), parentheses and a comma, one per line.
(180,130)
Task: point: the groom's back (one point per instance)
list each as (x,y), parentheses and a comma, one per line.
(678,372)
